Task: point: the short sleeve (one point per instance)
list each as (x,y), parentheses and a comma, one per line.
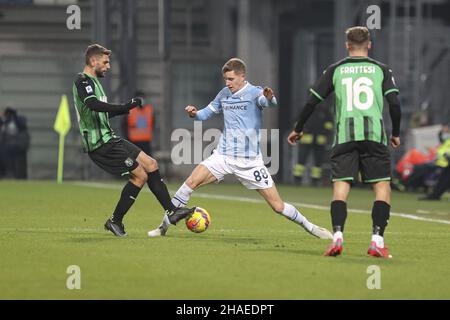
(216,104)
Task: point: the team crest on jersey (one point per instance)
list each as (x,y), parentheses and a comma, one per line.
(89,89)
(129,162)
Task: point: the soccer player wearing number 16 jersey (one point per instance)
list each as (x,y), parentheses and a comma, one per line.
(360,85)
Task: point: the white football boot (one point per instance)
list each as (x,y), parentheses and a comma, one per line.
(319,232)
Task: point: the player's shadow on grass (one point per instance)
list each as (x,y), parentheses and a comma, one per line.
(222,238)
(93,239)
(303,252)
(353,258)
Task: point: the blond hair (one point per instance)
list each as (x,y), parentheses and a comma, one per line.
(236,65)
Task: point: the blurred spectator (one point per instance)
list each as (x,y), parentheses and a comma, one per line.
(416,170)
(444,134)
(14,142)
(315,140)
(443,181)
(419,119)
(140,125)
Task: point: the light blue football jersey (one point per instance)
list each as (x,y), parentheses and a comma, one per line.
(242,113)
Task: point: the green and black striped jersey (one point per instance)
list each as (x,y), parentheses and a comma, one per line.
(94,126)
(360,84)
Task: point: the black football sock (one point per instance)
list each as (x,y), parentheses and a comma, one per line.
(380,217)
(159,189)
(338,215)
(129,194)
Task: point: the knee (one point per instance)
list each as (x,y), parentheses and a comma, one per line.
(139,176)
(383,192)
(385,197)
(340,196)
(151,164)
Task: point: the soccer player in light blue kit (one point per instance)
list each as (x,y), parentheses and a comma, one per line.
(238,151)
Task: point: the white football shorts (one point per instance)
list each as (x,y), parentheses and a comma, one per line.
(252,173)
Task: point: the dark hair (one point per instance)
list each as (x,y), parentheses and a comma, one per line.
(234,64)
(95,50)
(357,35)
(10,111)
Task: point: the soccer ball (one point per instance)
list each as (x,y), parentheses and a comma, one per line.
(198,221)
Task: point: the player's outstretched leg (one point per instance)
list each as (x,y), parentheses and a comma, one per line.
(200,176)
(172,214)
(290,212)
(171,218)
(182,196)
(159,189)
(179,202)
(155,181)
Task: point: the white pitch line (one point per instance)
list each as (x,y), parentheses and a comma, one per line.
(251,200)
(51,230)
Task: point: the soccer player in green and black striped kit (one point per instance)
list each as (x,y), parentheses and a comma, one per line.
(110,152)
(360,85)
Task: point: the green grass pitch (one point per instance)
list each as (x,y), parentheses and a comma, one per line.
(248,252)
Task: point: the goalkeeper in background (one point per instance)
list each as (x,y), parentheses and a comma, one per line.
(113,154)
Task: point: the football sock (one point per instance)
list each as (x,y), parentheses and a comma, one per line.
(338,235)
(378,240)
(181,197)
(127,197)
(293,214)
(159,189)
(338,215)
(380,217)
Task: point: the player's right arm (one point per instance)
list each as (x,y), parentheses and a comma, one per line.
(191,111)
(209,111)
(86,93)
(319,92)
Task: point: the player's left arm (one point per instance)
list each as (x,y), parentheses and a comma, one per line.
(307,111)
(267,99)
(113,114)
(395,114)
(390,91)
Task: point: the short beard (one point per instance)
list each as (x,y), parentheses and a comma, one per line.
(100,74)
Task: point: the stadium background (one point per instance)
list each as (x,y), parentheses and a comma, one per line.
(173,51)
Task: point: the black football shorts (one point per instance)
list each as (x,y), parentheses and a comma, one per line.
(371,159)
(117,156)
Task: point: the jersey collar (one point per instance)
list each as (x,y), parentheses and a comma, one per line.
(237,93)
